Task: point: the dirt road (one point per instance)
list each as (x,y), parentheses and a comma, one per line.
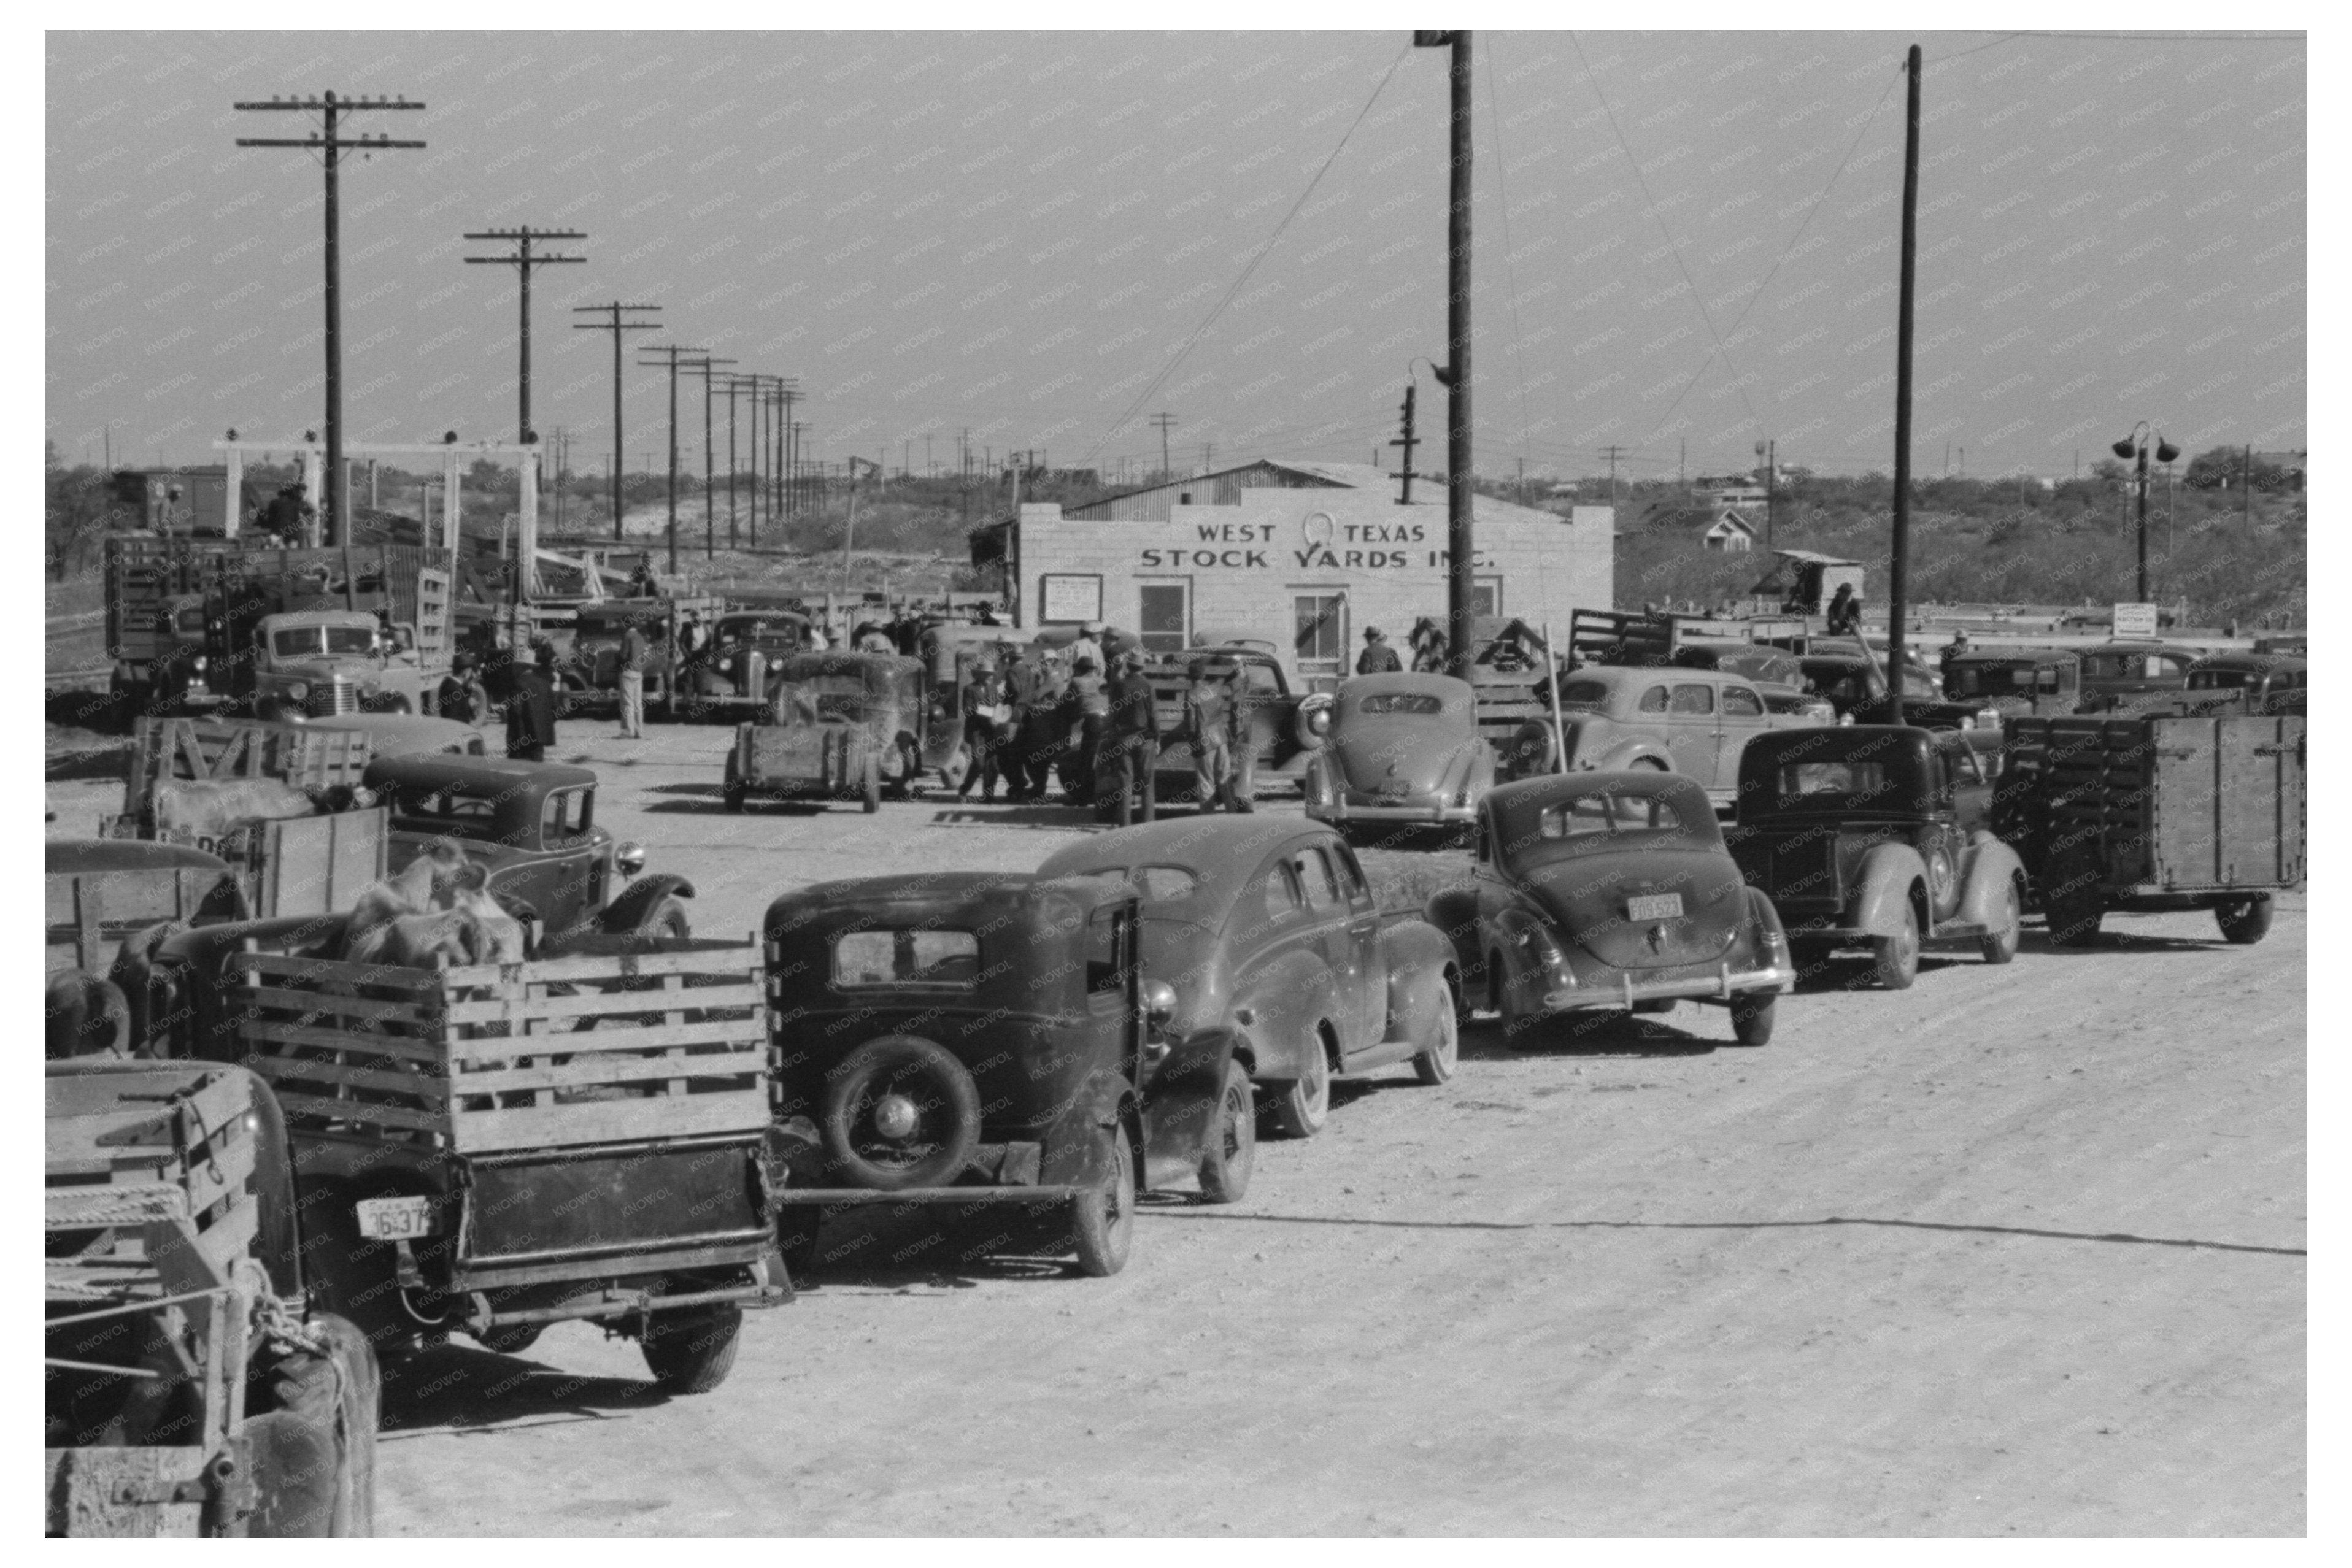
(2017,1251)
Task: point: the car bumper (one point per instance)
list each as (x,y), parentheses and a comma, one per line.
(1349,812)
(1721,986)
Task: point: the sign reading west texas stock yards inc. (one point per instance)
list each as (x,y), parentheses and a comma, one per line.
(1319,542)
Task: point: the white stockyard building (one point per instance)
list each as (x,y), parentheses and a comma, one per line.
(1306,555)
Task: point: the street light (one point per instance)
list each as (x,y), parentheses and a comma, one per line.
(2136,445)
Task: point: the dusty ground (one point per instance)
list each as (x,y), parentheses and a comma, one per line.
(2017,1251)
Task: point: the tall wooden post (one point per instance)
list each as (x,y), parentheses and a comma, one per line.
(1898,596)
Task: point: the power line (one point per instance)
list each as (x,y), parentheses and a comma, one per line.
(1673,245)
(1263,251)
(616,324)
(334,147)
(523,261)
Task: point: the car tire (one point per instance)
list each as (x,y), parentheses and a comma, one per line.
(1751,1017)
(336,1391)
(873,793)
(1896,958)
(1102,1222)
(2002,946)
(908,1065)
(796,1237)
(1229,1153)
(666,918)
(1436,1064)
(2245,921)
(1305,1105)
(690,1350)
(2073,903)
(735,795)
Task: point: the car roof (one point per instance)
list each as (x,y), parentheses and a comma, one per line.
(1844,740)
(928,897)
(1550,788)
(66,856)
(285,619)
(438,771)
(1458,694)
(2237,660)
(2015,655)
(1220,852)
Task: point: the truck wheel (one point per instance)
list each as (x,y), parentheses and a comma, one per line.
(690,1350)
(666,918)
(1102,1222)
(1751,1017)
(2245,921)
(1897,957)
(1231,1151)
(873,786)
(1436,1064)
(735,796)
(337,1392)
(2073,903)
(1303,1108)
(2002,946)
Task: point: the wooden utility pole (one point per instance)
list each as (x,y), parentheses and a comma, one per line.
(523,261)
(670,354)
(1408,441)
(335,505)
(1613,453)
(1461,546)
(788,391)
(615,322)
(1166,422)
(705,367)
(1898,587)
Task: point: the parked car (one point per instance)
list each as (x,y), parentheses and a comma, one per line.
(190,1385)
(2272,684)
(1880,836)
(1691,722)
(1612,890)
(1402,748)
(320,662)
(1281,959)
(738,671)
(2132,674)
(533,826)
(1854,681)
(1287,727)
(846,727)
(2015,682)
(988,1038)
(589,666)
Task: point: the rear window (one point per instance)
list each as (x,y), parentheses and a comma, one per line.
(2216,680)
(905,957)
(1742,703)
(1402,702)
(1584,694)
(1844,779)
(1608,814)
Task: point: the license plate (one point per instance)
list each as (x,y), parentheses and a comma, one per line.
(1655,907)
(395,1219)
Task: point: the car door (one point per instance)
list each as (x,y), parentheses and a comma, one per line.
(1352,940)
(1743,720)
(1281,979)
(1693,734)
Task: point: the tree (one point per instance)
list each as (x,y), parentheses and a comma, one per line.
(80,507)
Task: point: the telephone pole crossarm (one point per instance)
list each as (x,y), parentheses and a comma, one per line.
(523,261)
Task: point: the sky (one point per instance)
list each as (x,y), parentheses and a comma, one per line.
(1685,243)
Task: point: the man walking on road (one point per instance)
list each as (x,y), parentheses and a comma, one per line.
(530,711)
(1378,658)
(633,652)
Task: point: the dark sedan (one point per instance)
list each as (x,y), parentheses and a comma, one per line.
(1598,891)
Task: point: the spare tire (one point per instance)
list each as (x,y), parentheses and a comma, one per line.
(899,1112)
(1530,750)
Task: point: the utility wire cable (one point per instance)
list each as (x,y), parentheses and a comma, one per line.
(1785,250)
(1262,252)
(1672,244)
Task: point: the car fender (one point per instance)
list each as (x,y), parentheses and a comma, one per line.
(1279,1009)
(1987,867)
(1179,1102)
(1764,925)
(1417,955)
(1883,884)
(638,899)
(1078,1145)
(1453,914)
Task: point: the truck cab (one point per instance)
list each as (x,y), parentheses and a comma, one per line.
(317,662)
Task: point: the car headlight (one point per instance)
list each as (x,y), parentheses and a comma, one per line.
(725,666)
(630,858)
(299,691)
(197,663)
(1319,721)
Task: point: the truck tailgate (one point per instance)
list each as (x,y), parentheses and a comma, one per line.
(2228,802)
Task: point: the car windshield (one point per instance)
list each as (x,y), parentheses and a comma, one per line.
(191,623)
(294,641)
(452,812)
(906,957)
(2001,680)
(822,699)
(1604,813)
(1403,702)
(765,633)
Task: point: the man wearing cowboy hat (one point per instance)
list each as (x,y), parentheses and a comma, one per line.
(1378,658)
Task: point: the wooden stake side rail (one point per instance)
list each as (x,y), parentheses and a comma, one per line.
(197,1145)
(210,748)
(552,1053)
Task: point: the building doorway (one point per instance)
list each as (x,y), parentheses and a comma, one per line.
(1164,616)
(1319,645)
